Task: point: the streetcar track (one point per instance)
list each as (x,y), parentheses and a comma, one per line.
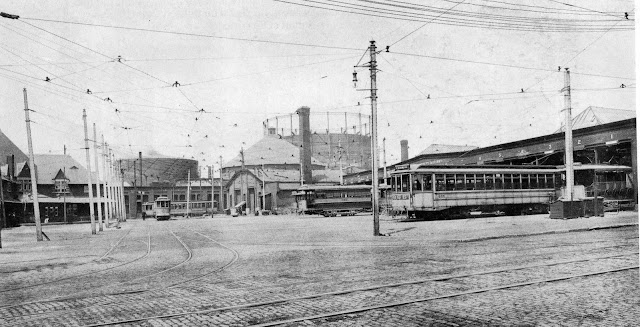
(74,276)
(393,285)
(232,261)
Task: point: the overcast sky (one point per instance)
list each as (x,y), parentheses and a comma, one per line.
(247,61)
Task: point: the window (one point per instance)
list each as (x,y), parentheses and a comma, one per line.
(459,181)
(85,189)
(470,181)
(508,182)
(533,181)
(440,182)
(61,186)
(405,183)
(426,182)
(417,182)
(488,181)
(183,197)
(450,180)
(498,183)
(479,182)
(525,181)
(516,182)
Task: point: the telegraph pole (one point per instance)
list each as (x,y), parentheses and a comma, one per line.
(86,147)
(568,135)
(105,185)
(374,140)
(32,168)
(188,190)
(222,199)
(123,210)
(212,188)
(98,199)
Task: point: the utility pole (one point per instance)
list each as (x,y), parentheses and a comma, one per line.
(123,212)
(222,199)
(188,190)
(212,188)
(264,194)
(568,135)
(98,199)
(374,141)
(86,147)
(245,187)
(3,218)
(134,210)
(32,168)
(384,160)
(106,183)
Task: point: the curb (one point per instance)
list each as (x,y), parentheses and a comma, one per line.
(584,229)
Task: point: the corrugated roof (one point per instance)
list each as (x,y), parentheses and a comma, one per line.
(446,148)
(48,166)
(270,150)
(593,116)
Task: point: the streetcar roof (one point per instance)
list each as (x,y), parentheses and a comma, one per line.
(162,198)
(333,187)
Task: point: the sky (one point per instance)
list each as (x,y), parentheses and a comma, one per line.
(239,63)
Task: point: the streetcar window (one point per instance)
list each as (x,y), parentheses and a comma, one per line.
(488,181)
(525,181)
(516,182)
(533,180)
(498,183)
(459,181)
(426,182)
(549,180)
(508,183)
(405,183)
(479,182)
(470,182)
(417,182)
(440,183)
(451,182)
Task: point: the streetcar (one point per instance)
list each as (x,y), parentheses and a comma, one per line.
(330,201)
(428,191)
(196,208)
(148,209)
(162,208)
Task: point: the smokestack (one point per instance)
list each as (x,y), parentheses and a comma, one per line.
(404,150)
(305,151)
(11,166)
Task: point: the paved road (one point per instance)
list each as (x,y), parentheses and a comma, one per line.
(317,271)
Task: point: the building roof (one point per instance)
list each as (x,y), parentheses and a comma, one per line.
(593,116)
(7,148)
(446,148)
(270,150)
(48,167)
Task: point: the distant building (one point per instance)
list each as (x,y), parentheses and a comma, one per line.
(62,186)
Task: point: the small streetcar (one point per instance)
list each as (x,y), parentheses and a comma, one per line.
(331,201)
(162,208)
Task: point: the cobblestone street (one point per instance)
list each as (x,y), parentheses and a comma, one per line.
(316,271)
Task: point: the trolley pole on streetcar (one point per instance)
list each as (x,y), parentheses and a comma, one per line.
(374,140)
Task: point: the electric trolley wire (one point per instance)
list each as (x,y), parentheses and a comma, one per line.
(596,11)
(193,34)
(451,21)
(425,24)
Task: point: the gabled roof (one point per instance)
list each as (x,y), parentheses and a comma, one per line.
(60,175)
(446,148)
(48,166)
(270,150)
(593,116)
(7,148)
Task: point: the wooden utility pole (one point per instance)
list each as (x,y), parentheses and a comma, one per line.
(123,210)
(212,188)
(86,147)
(3,218)
(222,199)
(374,140)
(188,190)
(32,168)
(98,199)
(106,183)
(568,135)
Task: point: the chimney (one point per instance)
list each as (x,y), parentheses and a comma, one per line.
(11,166)
(305,150)
(404,150)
